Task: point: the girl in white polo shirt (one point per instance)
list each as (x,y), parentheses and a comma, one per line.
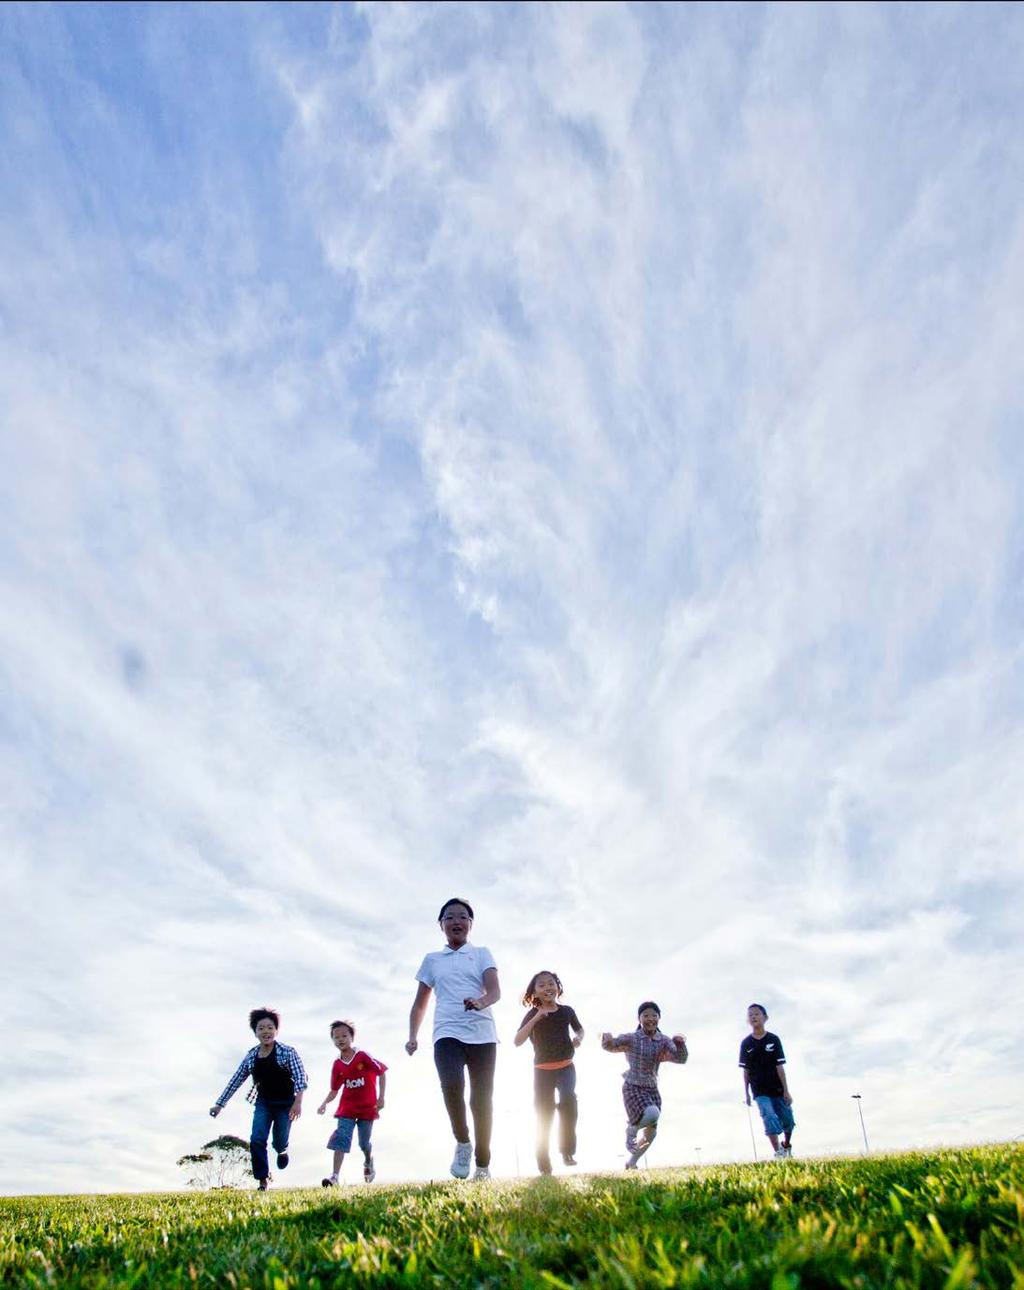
(464,979)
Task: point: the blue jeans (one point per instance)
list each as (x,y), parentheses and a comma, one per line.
(341,1138)
(545,1085)
(776,1116)
(268,1117)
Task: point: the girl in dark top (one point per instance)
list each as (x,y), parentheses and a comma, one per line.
(547,1026)
(279,1080)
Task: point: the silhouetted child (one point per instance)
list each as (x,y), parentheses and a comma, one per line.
(547,1026)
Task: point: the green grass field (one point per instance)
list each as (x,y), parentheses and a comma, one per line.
(943,1219)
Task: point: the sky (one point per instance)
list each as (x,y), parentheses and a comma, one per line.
(565,456)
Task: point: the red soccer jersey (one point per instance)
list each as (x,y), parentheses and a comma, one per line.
(357,1080)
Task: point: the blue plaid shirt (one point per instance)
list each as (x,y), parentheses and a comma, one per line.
(286,1057)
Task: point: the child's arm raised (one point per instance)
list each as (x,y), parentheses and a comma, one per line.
(532,1018)
(680,1051)
(616,1043)
(491,994)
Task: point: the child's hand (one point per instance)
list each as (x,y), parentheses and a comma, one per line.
(411,1046)
(577,1040)
(606,1037)
(380,1104)
(321,1108)
(679,1040)
(215,1111)
(471,1005)
(788,1098)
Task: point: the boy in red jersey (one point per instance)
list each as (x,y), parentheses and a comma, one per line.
(355,1073)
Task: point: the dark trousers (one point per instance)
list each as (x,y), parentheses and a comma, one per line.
(268,1117)
(545,1085)
(452,1058)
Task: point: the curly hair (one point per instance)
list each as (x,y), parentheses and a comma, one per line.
(529,998)
(260,1014)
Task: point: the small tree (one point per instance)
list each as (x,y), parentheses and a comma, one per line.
(224,1162)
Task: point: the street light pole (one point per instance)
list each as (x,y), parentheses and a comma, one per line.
(856,1098)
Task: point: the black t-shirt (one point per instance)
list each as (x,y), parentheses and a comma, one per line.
(274,1082)
(760,1057)
(550,1036)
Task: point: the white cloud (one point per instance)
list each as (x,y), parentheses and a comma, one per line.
(567,461)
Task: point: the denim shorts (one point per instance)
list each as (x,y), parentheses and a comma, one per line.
(776,1115)
(341,1138)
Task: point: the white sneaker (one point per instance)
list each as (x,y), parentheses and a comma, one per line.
(780,1154)
(483,1174)
(460,1161)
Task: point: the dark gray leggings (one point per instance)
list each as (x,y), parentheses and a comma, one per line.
(452,1057)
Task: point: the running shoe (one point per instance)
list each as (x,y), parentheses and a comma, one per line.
(369,1170)
(460,1161)
(329,1182)
(282,1160)
(483,1174)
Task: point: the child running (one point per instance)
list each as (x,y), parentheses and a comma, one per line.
(279,1081)
(356,1074)
(464,978)
(646,1048)
(547,1026)
(764,1074)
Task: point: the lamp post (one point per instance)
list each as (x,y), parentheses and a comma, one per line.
(856,1098)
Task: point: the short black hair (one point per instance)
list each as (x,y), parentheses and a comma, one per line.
(648,1003)
(260,1014)
(456,900)
(347,1024)
(758,1005)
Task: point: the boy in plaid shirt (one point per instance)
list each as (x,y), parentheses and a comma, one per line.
(279,1081)
(646,1048)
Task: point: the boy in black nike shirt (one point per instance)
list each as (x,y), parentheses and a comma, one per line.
(764,1074)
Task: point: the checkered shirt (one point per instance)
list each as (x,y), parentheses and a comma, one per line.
(645,1053)
(286,1057)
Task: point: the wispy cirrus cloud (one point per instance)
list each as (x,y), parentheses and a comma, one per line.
(565,455)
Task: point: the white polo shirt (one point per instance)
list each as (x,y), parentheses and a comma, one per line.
(454,976)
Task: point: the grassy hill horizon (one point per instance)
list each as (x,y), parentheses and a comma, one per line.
(947,1218)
